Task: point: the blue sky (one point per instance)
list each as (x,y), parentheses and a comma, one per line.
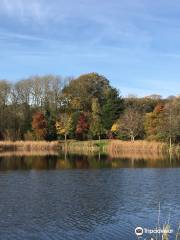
(134,43)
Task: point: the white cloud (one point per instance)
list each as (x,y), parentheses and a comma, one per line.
(11,35)
(25,11)
(110,20)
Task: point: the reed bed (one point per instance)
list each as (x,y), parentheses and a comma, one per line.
(117,147)
(114,148)
(176,150)
(28,146)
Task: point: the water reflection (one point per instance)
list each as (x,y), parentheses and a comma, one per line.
(94,202)
(86,204)
(13,161)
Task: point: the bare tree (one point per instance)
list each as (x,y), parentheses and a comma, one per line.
(131,123)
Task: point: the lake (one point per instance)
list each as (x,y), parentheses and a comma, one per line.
(86,197)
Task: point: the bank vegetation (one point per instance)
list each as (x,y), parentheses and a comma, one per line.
(87,108)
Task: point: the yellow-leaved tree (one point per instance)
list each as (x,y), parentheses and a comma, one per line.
(115,127)
(64,125)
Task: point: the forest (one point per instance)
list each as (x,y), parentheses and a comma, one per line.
(87,107)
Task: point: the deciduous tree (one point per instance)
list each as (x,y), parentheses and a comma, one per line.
(83,89)
(64,125)
(82,127)
(39,125)
(131,123)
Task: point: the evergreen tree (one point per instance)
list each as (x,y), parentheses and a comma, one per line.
(96,127)
(51,126)
(112,108)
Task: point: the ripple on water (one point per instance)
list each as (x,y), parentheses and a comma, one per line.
(85,204)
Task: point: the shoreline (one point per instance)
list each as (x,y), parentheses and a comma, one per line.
(114,147)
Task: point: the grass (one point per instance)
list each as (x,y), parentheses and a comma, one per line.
(85,146)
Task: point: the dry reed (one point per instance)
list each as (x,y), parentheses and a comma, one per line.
(116,147)
(28,146)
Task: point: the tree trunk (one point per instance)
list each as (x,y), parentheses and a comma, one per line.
(65,138)
(170,144)
(132,138)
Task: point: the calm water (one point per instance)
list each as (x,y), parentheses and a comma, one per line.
(85,197)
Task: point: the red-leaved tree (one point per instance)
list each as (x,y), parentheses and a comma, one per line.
(82,127)
(39,125)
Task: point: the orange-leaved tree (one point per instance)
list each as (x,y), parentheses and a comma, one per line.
(39,125)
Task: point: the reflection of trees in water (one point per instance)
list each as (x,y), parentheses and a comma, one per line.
(75,161)
(25,163)
(144,159)
(88,161)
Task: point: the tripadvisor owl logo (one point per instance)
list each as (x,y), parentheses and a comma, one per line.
(139,231)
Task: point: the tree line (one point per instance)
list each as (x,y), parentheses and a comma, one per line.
(88,107)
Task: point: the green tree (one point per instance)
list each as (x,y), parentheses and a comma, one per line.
(96,126)
(112,108)
(82,90)
(51,133)
(5,89)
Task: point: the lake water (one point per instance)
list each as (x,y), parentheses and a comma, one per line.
(86,197)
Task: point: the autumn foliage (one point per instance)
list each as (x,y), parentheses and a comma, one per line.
(82,127)
(39,125)
(85,107)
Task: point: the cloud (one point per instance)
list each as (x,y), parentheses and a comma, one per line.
(11,36)
(25,11)
(102,23)
(136,39)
